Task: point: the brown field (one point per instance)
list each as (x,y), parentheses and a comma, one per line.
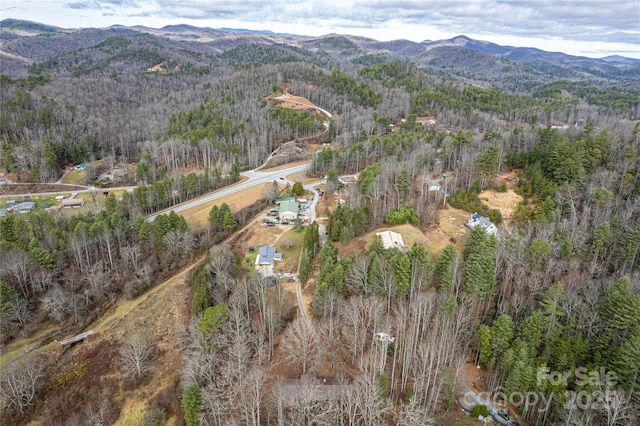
(506,202)
(199,215)
(451,225)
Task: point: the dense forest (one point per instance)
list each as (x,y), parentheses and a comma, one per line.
(555,291)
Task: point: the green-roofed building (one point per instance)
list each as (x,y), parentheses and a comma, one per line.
(288,210)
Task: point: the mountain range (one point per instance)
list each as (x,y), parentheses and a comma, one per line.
(26,44)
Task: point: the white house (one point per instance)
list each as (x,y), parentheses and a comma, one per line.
(477,219)
(391,239)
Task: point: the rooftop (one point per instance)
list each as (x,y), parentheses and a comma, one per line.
(391,239)
(267,255)
(289,206)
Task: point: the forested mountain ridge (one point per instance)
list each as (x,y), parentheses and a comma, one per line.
(551,66)
(184,326)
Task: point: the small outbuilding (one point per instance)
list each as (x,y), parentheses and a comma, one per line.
(72,203)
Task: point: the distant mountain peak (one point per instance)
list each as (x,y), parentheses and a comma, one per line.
(30,27)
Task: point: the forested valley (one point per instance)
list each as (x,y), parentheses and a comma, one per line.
(392,335)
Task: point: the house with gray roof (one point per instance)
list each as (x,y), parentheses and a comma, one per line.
(267,255)
(24,207)
(477,219)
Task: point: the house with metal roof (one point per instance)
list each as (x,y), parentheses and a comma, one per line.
(24,207)
(391,239)
(267,255)
(288,210)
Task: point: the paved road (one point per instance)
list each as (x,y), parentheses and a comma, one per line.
(254,178)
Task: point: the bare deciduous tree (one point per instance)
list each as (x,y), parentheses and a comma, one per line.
(135,355)
(17,266)
(55,304)
(19,384)
(299,344)
(131,254)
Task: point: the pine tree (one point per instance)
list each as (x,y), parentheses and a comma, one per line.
(552,310)
(502,331)
(479,256)
(484,344)
(214,215)
(630,246)
(8,160)
(402,184)
(443,269)
(213,319)
(192,405)
(229,221)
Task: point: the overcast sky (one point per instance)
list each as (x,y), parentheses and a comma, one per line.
(592,28)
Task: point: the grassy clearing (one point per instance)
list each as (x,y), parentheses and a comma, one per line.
(148,305)
(20,347)
(291,254)
(75,177)
(199,215)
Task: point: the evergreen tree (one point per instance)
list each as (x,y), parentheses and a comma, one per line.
(214,215)
(192,405)
(502,331)
(402,184)
(213,319)
(443,269)
(298,189)
(479,256)
(552,310)
(8,160)
(484,344)
(229,221)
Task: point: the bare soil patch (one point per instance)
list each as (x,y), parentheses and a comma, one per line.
(450,229)
(509,178)
(296,103)
(506,202)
